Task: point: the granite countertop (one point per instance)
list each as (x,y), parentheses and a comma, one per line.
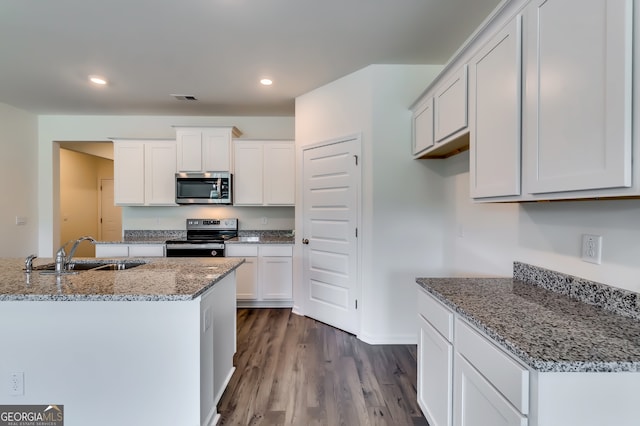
(159,279)
(137,240)
(262,239)
(244,237)
(548,331)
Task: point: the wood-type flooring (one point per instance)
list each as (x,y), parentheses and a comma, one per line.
(293,370)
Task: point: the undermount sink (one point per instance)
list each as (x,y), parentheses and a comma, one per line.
(89,266)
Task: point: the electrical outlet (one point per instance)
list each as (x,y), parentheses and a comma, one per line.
(16,383)
(592,248)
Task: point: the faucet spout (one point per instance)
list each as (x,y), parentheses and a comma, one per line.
(75,247)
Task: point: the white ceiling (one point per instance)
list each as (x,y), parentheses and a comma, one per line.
(215,50)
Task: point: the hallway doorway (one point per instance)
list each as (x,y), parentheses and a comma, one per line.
(84,167)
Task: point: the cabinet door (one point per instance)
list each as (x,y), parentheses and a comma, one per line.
(423,127)
(578,63)
(435,375)
(247,279)
(160,169)
(216,150)
(128,171)
(451,105)
(495,115)
(112,250)
(279,174)
(146,250)
(477,403)
(189,150)
(247,179)
(276,277)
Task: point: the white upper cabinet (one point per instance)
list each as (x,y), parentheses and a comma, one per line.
(159,173)
(204,149)
(577,125)
(451,105)
(440,118)
(495,115)
(279,174)
(248,173)
(423,127)
(551,88)
(144,172)
(128,172)
(264,173)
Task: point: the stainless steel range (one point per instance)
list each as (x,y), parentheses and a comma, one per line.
(205,238)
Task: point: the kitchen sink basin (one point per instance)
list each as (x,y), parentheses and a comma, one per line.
(90,266)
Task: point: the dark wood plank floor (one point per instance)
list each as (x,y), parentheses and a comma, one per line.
(293,370)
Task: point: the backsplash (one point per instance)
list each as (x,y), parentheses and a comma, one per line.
(153,235)
(271,233)
(619,301)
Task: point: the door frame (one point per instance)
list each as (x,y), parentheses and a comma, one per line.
(300,292)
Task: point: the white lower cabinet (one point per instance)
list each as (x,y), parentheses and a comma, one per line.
(247,273)
(266,277)
(435,365)
(463,379)
(435,360)
(478,403)
(130,250)
(490,388)
(493,388)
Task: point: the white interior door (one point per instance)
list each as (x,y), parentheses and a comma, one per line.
(110,215)
(330,225)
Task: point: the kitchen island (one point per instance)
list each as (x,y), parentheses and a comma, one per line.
(149,345)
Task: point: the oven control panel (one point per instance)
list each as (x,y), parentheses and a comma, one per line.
(212,224)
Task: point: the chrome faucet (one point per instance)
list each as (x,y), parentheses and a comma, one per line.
(62,259)
(75,245)
(28,263)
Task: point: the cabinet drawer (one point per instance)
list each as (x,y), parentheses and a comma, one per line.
(439,316)
(276,250)
(241,250)
(509,378)
(146,250)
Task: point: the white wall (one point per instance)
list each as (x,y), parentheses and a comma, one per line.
(544,234)
(400,229)
(249,218)
(18,182)
(101,128)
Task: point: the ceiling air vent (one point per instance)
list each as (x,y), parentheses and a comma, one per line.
(185,97)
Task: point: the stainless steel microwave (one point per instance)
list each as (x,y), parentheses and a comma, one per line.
(203,188)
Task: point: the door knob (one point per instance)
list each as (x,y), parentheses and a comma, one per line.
(305,241)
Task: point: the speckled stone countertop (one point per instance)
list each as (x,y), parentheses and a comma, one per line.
(263,237)
(548,331)
(159,279)
(244,237)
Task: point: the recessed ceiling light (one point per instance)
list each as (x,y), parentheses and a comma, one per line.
(266,82)
(96,79)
